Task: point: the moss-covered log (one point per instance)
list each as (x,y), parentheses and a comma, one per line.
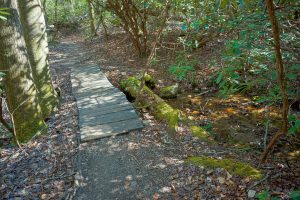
(201,133)
(233,166)
(160,109)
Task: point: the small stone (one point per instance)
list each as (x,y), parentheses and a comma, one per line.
(44,196)
(165,190)
(251,193)
(123,73)
(169,92)
(208,179)
(129,178)
(221,180)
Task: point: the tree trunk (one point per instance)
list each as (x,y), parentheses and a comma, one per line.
(92,17)
(19,87)
(281,80)
(33,23)
(44,3)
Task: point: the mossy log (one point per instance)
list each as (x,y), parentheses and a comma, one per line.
(201,134)
(160,109)
(232,166)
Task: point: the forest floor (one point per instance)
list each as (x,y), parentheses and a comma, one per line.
(147,165)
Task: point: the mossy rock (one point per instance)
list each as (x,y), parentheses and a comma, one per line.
(150,81)
(202,134)
(232,166)
(160,109)
(169,92)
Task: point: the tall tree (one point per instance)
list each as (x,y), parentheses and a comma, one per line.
(92,17)
(19,87)
(34,25)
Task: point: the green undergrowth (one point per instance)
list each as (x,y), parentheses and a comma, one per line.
(232,166)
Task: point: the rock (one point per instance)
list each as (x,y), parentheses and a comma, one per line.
(165,190)
(251,193)
(208,179)
(123,73)
(221,180)
(169,92)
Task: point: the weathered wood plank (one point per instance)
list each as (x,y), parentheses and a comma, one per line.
(102,102)
(98,118)
(98,92)
(103,109)
(108,106)
(105,130)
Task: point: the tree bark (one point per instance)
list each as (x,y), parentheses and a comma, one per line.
(44,6)
(281,80)
(34,26)
(92,17)
(19,87)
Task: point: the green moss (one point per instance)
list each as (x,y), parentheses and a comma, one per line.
(149,81)
(200,133)
(233,166)
(160,108)
(169,92)
(164,111)
(48,100)
(130,85)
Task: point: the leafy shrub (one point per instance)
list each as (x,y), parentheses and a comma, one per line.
(181,68)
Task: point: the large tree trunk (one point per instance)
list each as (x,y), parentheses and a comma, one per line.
(92,17)
(20,90)
(33,22)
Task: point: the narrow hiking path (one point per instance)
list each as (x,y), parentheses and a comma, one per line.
(129,166)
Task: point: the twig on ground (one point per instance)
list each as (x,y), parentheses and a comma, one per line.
(260,181)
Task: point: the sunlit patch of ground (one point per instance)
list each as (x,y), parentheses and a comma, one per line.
(236,119)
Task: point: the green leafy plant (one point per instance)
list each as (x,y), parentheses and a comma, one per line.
(295,124)
(3,13)
(265,195)
(180,71)
(295,195)
(181,68)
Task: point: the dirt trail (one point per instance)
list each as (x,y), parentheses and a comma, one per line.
(130,166)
